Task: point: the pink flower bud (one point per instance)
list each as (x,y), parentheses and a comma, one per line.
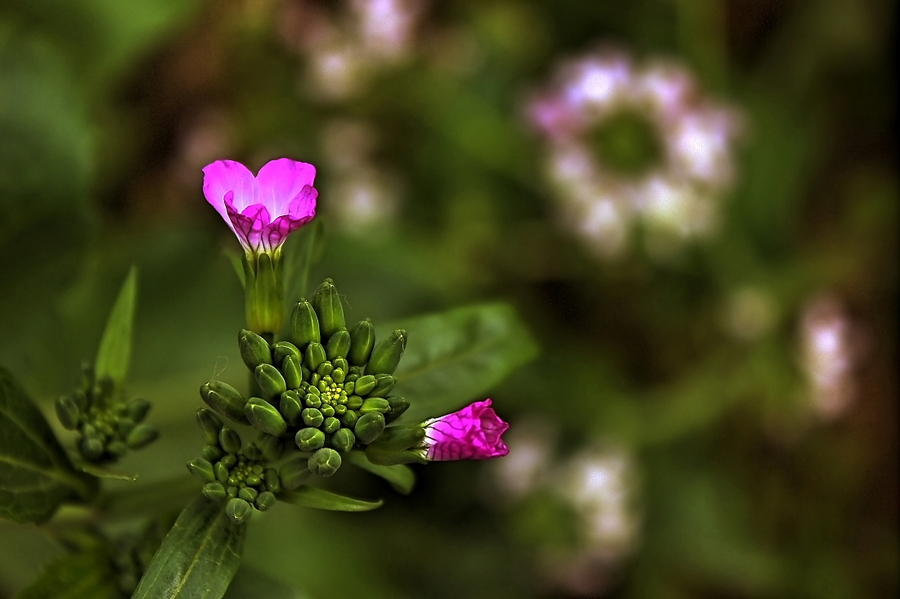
(472,433)
(262,210)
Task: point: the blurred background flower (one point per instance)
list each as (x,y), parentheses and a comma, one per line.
(692,203)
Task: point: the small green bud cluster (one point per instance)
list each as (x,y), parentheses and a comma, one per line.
(325,389)
(108,424)
(235,471)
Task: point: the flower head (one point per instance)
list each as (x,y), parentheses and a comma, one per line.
(262,210)
(472,433)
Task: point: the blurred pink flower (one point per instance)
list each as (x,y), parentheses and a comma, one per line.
(262,210)
(472,433)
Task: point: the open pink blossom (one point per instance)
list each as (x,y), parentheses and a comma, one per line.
(262,210)
(472,433)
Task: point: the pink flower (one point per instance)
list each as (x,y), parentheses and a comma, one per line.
(262,210)
(472,433)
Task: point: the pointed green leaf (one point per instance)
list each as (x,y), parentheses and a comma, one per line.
(199,556)
(401,477)
(102,472)
(456,357)
(326,500)
(114,355)
(76,576)
(301,250)
(35,473)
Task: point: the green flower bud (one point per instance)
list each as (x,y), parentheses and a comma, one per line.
(349,387)
(271,382)
(231,491)
(137,409)
(324,369)
(313,400)
(252,451)
(248,494)
(293,474)
(222,472)
(124,426)
(364,384)
(265,417)
(338,345)
(331,424)
(283,349)
(92,448)
(312,417)
(272,480)
(67,412)
(271,447)
(265,500)
(338,375)
(214,491)
(341,363)
(375,404)
(327,410)
(343,440)
(362,340)
(314,356)
(369,427)
(202,469)
(383,385)
(230,441)
(212,453)
(324,462)
(304,327)
(141,436)
(349,418)
(398,406)
(229,460)
(328,306)
(386,355)
(209,425)
(290,367)
(290,407)
(309,439)
(354,402)
(238,510)
(116,448)
(254,349)
(225,400)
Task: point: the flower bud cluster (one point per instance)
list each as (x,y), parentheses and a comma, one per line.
(108,425)
(236,471)
(320,393)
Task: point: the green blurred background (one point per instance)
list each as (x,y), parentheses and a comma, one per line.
(671,441)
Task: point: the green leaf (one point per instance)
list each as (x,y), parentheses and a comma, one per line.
(326,500)
(401,477)
(76,576)
(102,472)
(456,357)
(199,556)
(301,250)
(114,354)
(35,473)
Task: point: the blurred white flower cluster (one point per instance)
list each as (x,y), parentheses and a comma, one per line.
(598,485)
(634,143)
(347,44)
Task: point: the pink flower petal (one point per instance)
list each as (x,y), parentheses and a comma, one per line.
(280,181)
(472,433)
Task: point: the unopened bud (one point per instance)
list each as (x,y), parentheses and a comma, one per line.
(369,427)
(265,417)
(225,400)
(214,491)
(324,462)
(343,440)
(202,469)
(265,500)
(398,406)
(331,423)
(338,345)
(314,356)
(209,425)
(383,385)
(362,340)
(309,439)
(386,355)
(270,380)
(283,349)
(271,447)
(290,368)
(212,453)
(254,349)
(364,384)
(290,407)
(137,409)
(92,448)
(304,327)
(230,441)
(327,304)
(375,404)
(238,510)
(248,494)
(272,480)
(312,417)
(67,412)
